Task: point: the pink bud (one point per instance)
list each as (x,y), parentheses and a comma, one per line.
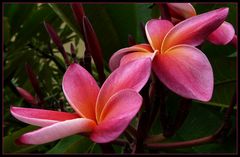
(33,79)
(78,13)
(56,39)
(93,46)
(26,96)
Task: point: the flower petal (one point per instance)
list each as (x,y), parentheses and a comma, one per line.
(116,57)
(135,55)
(156,31)
(116,115)
(185,70)
(132,75)
(81,90)
(57,131)
(223,35)
(40,117)
(194,30)
(122,104)
(181,10)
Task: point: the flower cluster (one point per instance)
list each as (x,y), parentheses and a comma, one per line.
(103,113)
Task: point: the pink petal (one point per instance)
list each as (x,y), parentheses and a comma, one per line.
(181,10)
(132,75)
(26,96)
(40,117)
(194,30)
(223,35)
(57,131)
(156,31)
(81,90)
(186,71)
(135,55)
(117,56)
(116,115)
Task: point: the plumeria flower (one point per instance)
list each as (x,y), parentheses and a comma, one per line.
(175,60)
(103,113)
(181,11)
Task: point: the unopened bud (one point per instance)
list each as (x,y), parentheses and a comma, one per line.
(56,39)
(93,47)
(26,96)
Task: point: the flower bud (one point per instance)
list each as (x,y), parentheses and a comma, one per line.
(54,36)
(26,96)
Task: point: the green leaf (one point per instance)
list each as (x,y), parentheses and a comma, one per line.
(104,28)
(72,144)
(114,22)
(224,79)
(9,145)
(22,12)
(143,14)
(234,54)
(203,121)
(124,20)
(65,13)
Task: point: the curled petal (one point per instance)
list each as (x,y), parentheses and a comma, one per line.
(116,115)
(186,71)
(40,117)
(181,10)
(136,55)
(223,35)
(117,56)
(156,31)
(132,75)
(81,90)
(194,30)
(57,131)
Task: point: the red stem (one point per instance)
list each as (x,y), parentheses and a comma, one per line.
(191,143)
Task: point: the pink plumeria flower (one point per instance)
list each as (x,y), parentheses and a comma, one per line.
(175,60)
(103,112)
(221,36)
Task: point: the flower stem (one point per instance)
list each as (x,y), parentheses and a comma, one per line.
(46,55)
(190,143)
(183,111)
(142,129)
(221,133)
(158,101)
(73,54)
